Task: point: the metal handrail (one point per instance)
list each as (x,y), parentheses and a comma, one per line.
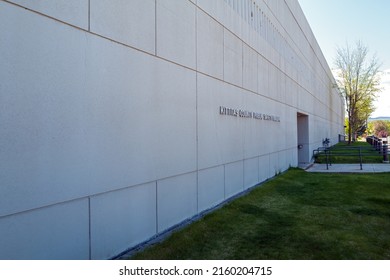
(338,151)
(328,155)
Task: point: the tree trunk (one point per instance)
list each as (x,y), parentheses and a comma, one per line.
(349,134)
(350,123)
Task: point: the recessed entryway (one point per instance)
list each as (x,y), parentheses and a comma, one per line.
(303,139)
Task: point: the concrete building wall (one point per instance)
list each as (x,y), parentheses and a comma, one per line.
(112,124)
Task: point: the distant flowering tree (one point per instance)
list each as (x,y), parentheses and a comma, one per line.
(358,81)
(381,129)
(383,134)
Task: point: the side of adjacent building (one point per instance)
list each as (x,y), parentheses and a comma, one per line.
(121,119)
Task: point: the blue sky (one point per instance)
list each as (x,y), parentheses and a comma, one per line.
(336,22)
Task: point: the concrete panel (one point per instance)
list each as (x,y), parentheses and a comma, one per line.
(253,137)
(282,87)
(255,140)
(290,128)
(305,101)
(39,111)
(129,22)
(234,178)
(233,56)
(176,200)
(251,172)
(250,68)
(211,187)
(283,160)
(57,232)
(209,45)
(147,118)
(274,138)
(274,166)
(110,122)
(74,12)
(214,8)
(264,168)
(176,31)
(219,136)
(273,91)
(263,76)
(122,219)
(233,20)
(291,158)
(291,92)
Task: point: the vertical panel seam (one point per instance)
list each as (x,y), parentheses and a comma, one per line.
(224,181)
(223,53)
(89,227)
(89,15)
(196,109)
(155,27)
(243,174)
(156,208)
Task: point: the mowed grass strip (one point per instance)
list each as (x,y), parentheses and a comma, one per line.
(297,215)
(344,153)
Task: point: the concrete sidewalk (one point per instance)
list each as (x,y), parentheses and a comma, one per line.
(350,168)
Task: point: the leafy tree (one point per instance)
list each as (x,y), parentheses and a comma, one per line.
(358,81)
(370,128)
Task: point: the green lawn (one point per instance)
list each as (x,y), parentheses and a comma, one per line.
(344,153)
(297,215)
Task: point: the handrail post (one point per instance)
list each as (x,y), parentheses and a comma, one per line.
(385,153)
(327,159)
